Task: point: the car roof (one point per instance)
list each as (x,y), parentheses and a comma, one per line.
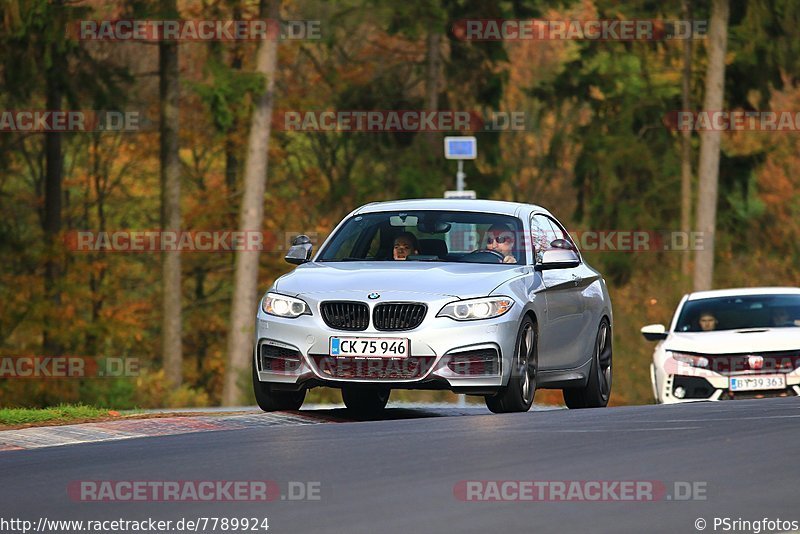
(743,291)
(451,204)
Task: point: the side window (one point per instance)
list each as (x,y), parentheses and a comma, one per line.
(360,244)
(345,249)
(541,235)
(560,233)
(545,230)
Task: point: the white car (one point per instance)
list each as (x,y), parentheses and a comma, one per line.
(728,344)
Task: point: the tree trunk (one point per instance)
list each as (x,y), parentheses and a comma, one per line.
(96,277)
(54,162)
(708,170)
(245,290)
(686,145)
(171,331)
(433,66)
(231,150)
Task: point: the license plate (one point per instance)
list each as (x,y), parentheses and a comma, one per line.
(374,347)
(754,383)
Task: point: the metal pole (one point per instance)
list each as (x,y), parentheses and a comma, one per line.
(462,399)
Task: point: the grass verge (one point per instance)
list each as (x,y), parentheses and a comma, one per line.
(63,413)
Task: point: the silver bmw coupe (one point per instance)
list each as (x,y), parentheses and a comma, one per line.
(478,297)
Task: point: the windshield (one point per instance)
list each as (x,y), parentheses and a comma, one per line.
(448,236)
(734,313)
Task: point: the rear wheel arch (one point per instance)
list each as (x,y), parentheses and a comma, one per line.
(597,390)
(607,318)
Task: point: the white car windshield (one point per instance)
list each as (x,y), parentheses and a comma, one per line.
(739,312)
(447,236)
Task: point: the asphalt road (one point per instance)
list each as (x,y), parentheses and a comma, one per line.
(399,474)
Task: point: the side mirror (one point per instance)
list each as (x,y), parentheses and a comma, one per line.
(300,251)
(562,244)
(654,332)
(558,258)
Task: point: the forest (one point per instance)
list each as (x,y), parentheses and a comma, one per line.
(237,138)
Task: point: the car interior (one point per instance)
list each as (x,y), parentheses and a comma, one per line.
(458,237)
(737,315)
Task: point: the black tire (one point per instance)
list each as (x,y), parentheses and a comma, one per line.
(598,387)
(270,400)
(365,401)
(517,396)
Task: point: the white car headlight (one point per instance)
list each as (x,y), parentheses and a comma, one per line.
(283,306)
(689,359)
(473,309)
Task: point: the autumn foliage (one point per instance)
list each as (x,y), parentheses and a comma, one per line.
(594,150)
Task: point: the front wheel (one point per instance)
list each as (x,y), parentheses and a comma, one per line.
(517,396)
(598,388)
(270,400)
(365,401)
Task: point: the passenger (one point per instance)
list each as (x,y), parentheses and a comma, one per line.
(500,238)
(708,322)
(405,244)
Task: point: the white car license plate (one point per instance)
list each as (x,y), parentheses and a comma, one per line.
(375,347)
(754,383)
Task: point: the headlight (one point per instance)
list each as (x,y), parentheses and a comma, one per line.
(283,306)
(690,359)
(472,309)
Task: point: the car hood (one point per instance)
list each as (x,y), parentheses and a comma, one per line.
(735,341)
(460,280)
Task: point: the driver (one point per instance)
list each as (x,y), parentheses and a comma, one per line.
(500,238)
(707,321)
(780,317)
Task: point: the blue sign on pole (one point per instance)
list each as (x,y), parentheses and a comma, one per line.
(460,148)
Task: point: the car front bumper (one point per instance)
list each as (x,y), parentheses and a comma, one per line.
(704,385)
(439,347)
